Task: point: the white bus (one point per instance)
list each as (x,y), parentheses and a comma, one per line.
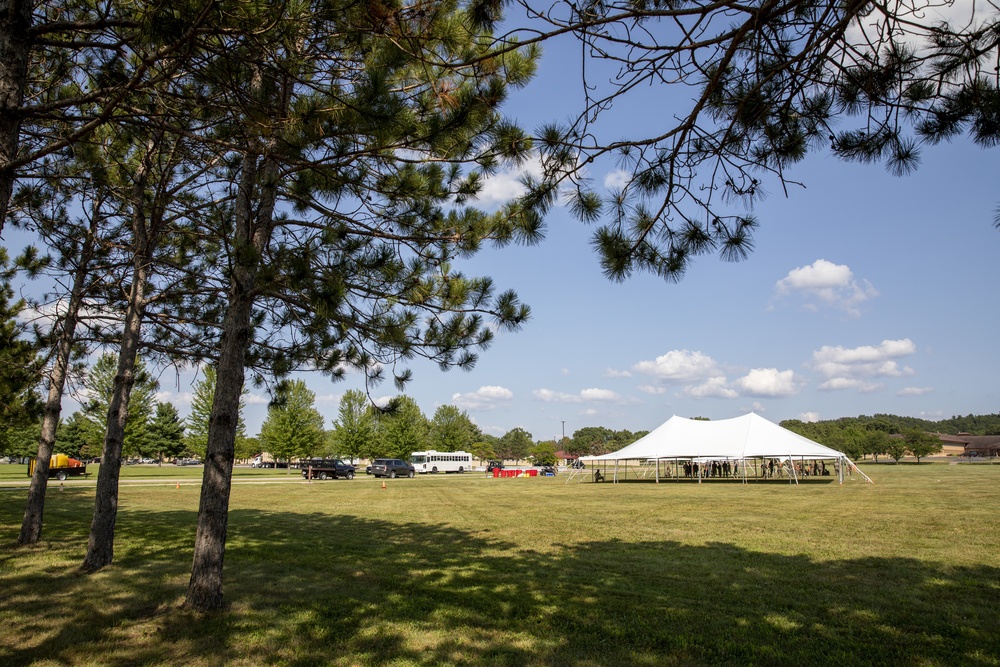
(433,462)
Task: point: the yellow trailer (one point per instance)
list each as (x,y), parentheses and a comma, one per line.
(61,467)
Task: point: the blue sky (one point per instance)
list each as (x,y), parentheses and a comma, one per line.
(866,293)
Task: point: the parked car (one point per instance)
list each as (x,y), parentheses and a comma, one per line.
(392,468)
(494,465)
(327,469)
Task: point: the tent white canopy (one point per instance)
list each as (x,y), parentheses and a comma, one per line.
(747,437)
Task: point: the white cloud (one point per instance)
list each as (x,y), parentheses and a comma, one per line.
(613,373)
(602,395)
(914,391)
(811,417)
(768,383)
(854,368)
(681,366)
(715,387)
(839,384)
(616,180)
(549,396)
(833,285)
(592,395)
(650,389)
(484,398)
(174,398)
(866,354)
(503,186)
(256,399)
(493,429)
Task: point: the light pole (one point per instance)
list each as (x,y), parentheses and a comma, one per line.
(564,432)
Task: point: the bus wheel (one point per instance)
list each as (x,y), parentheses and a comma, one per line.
(434,470)
(461,469)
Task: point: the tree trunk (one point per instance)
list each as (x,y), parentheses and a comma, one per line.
(31,526)
(15,47)
(101,544)
(252,235)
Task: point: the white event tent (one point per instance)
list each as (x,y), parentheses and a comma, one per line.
(738,439)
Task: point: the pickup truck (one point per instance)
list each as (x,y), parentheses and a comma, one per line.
(326,469)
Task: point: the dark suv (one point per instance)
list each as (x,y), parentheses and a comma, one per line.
(392,468)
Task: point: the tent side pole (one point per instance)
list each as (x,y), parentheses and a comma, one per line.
(867,478)
(791,469)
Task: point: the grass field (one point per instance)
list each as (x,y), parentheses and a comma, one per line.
(469,570)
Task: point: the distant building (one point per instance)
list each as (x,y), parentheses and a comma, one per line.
(952,445)
(981,445)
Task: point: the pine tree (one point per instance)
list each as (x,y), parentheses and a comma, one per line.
(20,366)
(196,426)
(68,67)
(79,436)
(99,387)
(377,153)
(165,433)
(80,250)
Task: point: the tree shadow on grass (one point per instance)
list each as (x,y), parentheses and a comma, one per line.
(307,589)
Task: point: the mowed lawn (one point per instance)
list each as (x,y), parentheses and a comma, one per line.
(470,570)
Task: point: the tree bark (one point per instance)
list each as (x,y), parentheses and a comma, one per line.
(101,544)
(15,47)
(31,525)
(252,236)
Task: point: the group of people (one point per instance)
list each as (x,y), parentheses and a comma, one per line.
(817,469)
(769,468)
(710,469)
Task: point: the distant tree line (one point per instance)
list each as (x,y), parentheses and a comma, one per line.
(890,435)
